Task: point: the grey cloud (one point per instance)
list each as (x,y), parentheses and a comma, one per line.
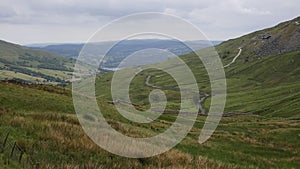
(217,19)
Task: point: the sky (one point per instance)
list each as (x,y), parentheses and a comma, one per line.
(73,21)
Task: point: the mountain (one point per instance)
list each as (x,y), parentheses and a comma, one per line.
(125,48)
(282,38)
(66,50)
(270,56)
(33,65)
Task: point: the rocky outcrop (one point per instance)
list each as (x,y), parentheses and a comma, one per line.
(284,38)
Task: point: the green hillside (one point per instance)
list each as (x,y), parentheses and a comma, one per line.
(33,65)
(262,85)
(42,121)
(282,38)
(267,85)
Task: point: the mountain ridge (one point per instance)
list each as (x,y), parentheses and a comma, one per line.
(281,38)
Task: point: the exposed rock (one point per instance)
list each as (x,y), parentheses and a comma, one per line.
(266,36)
(285,39)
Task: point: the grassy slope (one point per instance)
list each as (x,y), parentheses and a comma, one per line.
(7,74)
(267,87)
(266,139)
(42,121)
(284,38)
(17,58)
(44,124)
(254,140)
(15,53)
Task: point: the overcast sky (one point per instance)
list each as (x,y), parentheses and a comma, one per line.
(43,21)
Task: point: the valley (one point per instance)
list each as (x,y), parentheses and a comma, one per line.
(259,128)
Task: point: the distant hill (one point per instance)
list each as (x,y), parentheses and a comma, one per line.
(46,64)
(66,50)
(127,47)
(33,65)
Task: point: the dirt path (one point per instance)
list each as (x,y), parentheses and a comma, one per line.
(234,59)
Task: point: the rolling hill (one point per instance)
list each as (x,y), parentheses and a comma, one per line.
(33,65)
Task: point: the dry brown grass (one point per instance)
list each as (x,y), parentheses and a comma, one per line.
(175,159)
(172,159)
(63,133)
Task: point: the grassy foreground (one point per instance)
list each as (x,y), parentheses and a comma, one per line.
(42,120)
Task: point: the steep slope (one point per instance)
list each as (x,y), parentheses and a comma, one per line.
(265,77)
(269,57)
(282,38)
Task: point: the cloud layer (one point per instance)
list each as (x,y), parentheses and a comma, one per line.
(33,21)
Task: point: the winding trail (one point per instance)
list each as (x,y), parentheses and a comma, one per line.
(150,85)
(200,102)
(234,59)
